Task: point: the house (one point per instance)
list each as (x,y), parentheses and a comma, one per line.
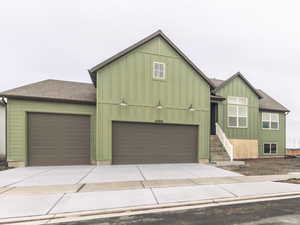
(147,104)
(2,130)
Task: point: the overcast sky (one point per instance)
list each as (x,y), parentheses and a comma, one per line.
(61,39)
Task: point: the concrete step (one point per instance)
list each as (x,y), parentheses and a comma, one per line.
(219,158)
(218,153)
(217,149)
(216,145)
(230,163)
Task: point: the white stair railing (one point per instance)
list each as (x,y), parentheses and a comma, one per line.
(224,140)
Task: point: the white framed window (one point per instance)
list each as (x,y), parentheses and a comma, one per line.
(237,110)
(237,100)
(270,148)
(159,70)
(270,121)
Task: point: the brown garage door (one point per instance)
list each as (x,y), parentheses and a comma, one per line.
(58,139)
(137,143)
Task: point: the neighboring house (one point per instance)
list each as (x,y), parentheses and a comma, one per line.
(2,130)
(147,104)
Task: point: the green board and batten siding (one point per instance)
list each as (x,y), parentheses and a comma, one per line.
(130,78)
(17,123)
(273,136)
(237,87)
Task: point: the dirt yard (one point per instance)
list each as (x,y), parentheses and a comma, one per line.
(290,181)
(268,166)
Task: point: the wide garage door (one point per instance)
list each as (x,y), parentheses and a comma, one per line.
(58,139)
(138,143)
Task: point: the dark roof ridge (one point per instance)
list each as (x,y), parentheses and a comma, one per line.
(70,81)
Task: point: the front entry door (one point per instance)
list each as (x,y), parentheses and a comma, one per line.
(214,117)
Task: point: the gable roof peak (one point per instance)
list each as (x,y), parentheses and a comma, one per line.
(240,75)
(159,32)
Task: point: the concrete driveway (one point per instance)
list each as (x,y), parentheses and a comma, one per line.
(17,202)
(63,175)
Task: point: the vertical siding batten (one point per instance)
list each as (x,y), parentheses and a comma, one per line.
(181,88)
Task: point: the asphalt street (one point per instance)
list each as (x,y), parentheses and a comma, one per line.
(279,212)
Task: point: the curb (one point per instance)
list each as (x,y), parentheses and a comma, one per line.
(94,214)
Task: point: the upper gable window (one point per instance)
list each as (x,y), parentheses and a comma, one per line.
(237,100)
(237,112)
(270,121)
(159,70)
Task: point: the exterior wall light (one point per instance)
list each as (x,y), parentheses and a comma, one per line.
(123,103)
(191,108)
(159,106)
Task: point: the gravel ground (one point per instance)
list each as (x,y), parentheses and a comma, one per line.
(268,166)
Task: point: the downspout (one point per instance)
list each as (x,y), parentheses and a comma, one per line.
(3,101)
(285,151)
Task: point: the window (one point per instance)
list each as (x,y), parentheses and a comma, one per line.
(270,148)
(270,121)
(159,70)
(237,112)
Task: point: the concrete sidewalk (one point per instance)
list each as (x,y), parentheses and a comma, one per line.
(32,202)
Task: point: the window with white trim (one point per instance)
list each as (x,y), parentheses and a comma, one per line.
(270,148)
(159,70)
(237,112)
(270,121)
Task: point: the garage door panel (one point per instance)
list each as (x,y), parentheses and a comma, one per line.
(154,143)
(58,139)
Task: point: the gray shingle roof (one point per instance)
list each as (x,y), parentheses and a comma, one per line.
(55,90)
(269,103)
(69,91)
(216,82)
(265,103)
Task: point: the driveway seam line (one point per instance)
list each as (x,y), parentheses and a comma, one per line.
(55,204)
(193,181)
(9,185)
(80,188)
(218,185)
(154,196)
(88,173)
(9,189)
(138,167)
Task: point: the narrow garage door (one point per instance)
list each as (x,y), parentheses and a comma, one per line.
(137,143)
(58,139)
